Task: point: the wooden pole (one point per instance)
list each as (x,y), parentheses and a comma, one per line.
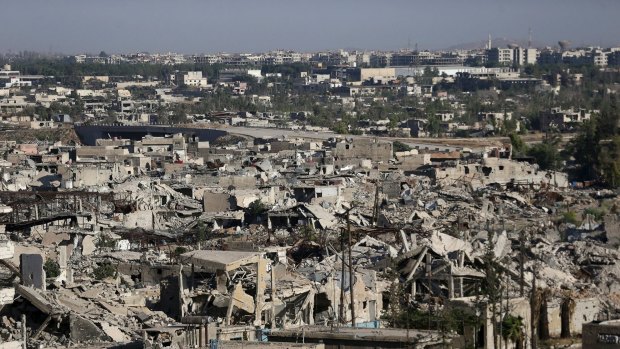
(351,278)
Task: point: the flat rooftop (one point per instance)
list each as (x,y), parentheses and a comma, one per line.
(220,260)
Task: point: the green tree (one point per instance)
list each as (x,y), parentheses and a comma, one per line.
(179,251)
(509,126)
(570,217)
(546,153)
(400,146)
(609,161)
(255,210)
(104,271)
(519,147)
(434,126)
(596,147)
(52,268)
(513,330)
(584,148)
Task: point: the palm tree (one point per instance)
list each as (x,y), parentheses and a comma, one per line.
(512,329)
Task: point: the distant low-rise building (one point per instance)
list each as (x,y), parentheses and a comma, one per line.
(565,119)
(190,79)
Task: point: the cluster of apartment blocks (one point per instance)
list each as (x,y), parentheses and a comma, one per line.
(347,84)
(511,55)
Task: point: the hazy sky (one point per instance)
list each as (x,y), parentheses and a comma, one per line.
(209,26)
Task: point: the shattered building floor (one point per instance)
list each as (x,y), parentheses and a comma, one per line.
(159,263)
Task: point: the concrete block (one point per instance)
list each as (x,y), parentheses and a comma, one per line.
(32,273)
(11,345)
(7,249)
(7,295)
(88,245)
(84,330)
(114,332)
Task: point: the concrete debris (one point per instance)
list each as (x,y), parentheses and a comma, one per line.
(151,245)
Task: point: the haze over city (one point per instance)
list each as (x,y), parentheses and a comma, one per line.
(287,174)
(195,26)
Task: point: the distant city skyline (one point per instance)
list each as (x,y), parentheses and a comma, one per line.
(201,26)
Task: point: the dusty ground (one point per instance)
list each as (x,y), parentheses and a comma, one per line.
(64,134)
(486,141)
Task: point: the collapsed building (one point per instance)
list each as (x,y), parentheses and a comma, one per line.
(171,242)
(502,172)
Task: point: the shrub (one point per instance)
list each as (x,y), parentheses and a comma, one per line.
(400,146)
(52,268)
(570,217)
(255,210)
(179,250)
(595,212)
(104,271)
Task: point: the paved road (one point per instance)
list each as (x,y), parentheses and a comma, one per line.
(436,144)
(440,144)
(412,142)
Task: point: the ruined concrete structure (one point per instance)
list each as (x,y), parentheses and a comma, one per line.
(502,172)
(364,149)
(169,242)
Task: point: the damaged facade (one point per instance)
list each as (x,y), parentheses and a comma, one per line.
(171,242)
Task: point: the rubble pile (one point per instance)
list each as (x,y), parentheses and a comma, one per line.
(280,242)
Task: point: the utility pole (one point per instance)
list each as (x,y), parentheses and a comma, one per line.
(428,266)
(501,312)
(521,263)
(342,318)
(507,283)
(375,211)
(533,311)
(351,271)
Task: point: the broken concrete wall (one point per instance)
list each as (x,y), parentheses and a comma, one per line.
(238,182)
(139,219)
(11,345)
(604,335)
(32,273)
(278,146)
(612,229)
(153,275)
(368,300)
(218,202)
(414,161)
(7,249)
(517,307)
(93,175)
(169,299)
(364,149)
(6,295)
(84,330)
(499,171)
(582,311)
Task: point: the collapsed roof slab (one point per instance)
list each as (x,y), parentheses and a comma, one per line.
(36,299)
(220,260)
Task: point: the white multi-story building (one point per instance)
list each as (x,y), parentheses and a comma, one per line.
(524,56)
(501,55)
(599,58)
(513,55)
(191,78)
